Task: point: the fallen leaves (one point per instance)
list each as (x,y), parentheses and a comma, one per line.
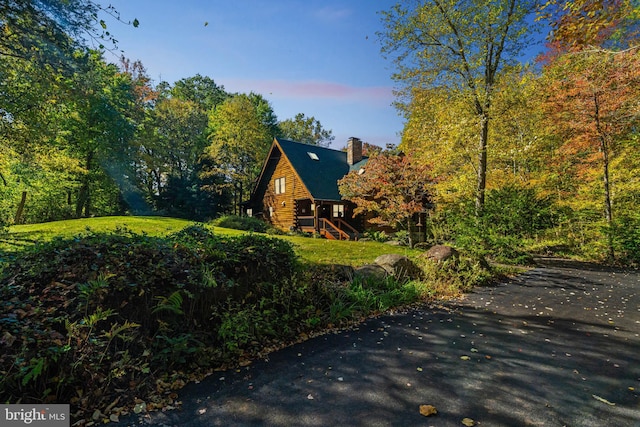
(468,422)
(603,400)
(428,410)
(140,407)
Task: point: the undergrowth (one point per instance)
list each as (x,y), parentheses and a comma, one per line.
(119,320)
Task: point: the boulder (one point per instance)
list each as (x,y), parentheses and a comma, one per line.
(371,271)
(440,253)
(398,266)
(341,272)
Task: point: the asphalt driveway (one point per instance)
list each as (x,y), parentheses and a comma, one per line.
(558,346)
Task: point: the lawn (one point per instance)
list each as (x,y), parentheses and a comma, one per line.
(319,251)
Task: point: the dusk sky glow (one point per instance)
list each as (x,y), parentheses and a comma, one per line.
(320,58)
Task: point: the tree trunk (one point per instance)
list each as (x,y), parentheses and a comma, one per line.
(83,193)
(607,196)
(482,164)
(238,199)
(409,232)
(87,205)
(604,148)
(605,180)
(20,210)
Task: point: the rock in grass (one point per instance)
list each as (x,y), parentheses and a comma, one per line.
(398,266)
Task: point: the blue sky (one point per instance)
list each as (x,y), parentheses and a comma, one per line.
(320,58)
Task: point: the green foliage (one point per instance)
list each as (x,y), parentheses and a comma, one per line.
(172,303)
(376,235)
(511,215)
(625,235)
(202,90)
(241,130)
(478,237)
(445,46)
(193,234)
(108,294)
(518,211)
(461,273)
(241,223)
(307,130)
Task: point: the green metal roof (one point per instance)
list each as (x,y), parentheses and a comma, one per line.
(319,176)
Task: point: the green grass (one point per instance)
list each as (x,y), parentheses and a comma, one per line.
(318,251)
(323,251)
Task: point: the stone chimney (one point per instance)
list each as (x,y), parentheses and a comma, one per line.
(354,150)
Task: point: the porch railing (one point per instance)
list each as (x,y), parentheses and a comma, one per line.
(342,224)
(339,229)
(331,231)
(306,223)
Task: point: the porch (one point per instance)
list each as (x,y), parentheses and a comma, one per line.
(330,219)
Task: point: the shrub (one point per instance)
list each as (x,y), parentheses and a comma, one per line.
(242,223)
(510,215)
(83,317)
(456,274)
(518,211)
(625,236)
(377,236)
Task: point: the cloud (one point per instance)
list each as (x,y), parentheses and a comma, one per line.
(312,89)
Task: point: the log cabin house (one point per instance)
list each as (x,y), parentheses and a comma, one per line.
(298,189)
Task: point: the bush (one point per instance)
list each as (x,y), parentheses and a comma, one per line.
(625,236)
(511,214)
(456,274)
(242,223)
(83,317)
(377,236)
(518,212)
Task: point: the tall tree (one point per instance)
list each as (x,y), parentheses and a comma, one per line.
(460,46)
(100,127)
(521,146)
(241,131)
(202,90)
(593,105)
(173,141)
(307,130)
(39,45)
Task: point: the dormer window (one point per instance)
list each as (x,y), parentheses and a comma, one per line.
(313,156)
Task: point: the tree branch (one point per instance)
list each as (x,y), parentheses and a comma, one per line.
(12,55)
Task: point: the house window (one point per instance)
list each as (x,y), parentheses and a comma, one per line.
(279,185)
(338,211)
(249,212)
